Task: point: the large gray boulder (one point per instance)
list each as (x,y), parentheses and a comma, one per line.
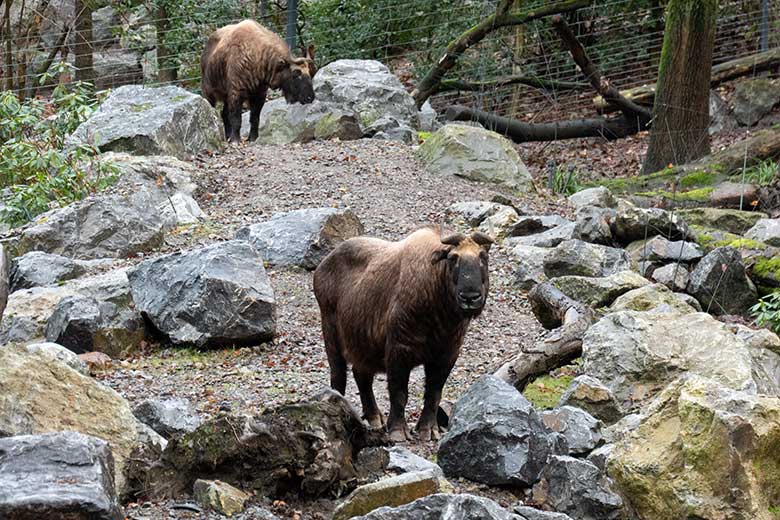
(766,230)
(472,213)
(302,237)
(721,284)
(659,249)
(575,257)
(116,327)
(599,197)
(594,225)
(168,417)
(755,98)
(599,291)
(495,436)
(532,224)
(764,346)
(579,489)
(476,154)
(281,123)
(213,296)
(116,67)
(654,298)
(57,475)
(367,88)
(590,394)
(632,223)
(674,276)
(635,354)
(60,353)
(528,263)
(152,121)
(549,238)
(444,506)
(36,269)
(730,220)
(581,430)
(86,324)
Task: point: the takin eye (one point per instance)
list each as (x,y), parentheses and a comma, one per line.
(452,258)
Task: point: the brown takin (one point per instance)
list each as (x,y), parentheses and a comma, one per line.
(241,62)
(392,306)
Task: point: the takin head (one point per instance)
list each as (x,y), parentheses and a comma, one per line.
(297,75)
(467,269)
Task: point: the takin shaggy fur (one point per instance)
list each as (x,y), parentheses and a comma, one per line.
(241,62)
(392,306)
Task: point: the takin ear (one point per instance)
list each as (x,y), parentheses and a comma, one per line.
(482,240)
(453,239)
(438,256)
(310,52)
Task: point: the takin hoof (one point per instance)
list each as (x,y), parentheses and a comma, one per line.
(377,421)
(428,432)
(400,434)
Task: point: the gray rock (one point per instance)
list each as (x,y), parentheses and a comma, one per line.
(103,21)
(590,394)
(472,213)
(152,121)
(57,475)
(116,67)
(533,224)
(219,496)
(110,226)
(427,116)
(635,354)
(632,223)
(444,506)
(659,249)
(755,98)
(720,114)
(581,429)
(599,291)
(531,513)
(600,456)
(599,197)
(168,417)
(730,220)
(528,263)
(212,296)
(734,195)
(302,237)
(5,278)
(593,225)
(36,269)
(367,88)
(579,489)
(764,347)
(673,276)
(85,324)
(500,223)
(652,298)
(388,127)
(404,461)
(721,284)
(575,257)
(495,436)
(475,154)
(281,123)
(767,231)
(59,353)
(550,238)
(29,310)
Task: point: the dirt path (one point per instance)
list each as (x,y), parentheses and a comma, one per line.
(382,183)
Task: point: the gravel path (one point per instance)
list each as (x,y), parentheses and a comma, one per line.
(382,183)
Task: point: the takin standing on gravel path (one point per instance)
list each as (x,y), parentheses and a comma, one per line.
(392,306)
(241,62)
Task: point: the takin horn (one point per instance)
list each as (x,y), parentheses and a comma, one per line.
(453,239)
(481,238)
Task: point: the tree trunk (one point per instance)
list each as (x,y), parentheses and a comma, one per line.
(681,110)
(83,48)
(167,70)
(8,58)
(517,54)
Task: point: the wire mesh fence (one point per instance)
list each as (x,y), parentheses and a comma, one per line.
(160,42)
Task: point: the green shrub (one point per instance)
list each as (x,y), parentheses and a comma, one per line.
(565,181)
(766,312)
(35,172)
(762,173)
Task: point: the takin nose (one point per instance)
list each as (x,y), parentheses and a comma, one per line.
(469,298)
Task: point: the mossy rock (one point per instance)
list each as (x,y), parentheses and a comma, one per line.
(730,220)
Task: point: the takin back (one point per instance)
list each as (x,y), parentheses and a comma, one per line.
(241,62)
(392,306)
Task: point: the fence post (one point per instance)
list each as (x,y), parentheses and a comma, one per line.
(292,22)
(764,25)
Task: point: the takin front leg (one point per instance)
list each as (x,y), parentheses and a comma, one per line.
(398,387)
(365,384)
(256,103)
(435,377)
(336,361)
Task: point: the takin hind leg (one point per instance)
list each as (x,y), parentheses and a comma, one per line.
(336,361)
(365,384)
(226,119)
(435,376)
(234,117)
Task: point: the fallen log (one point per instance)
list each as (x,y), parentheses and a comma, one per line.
(531,81)
(561,345)
(522,132)
(644,95)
